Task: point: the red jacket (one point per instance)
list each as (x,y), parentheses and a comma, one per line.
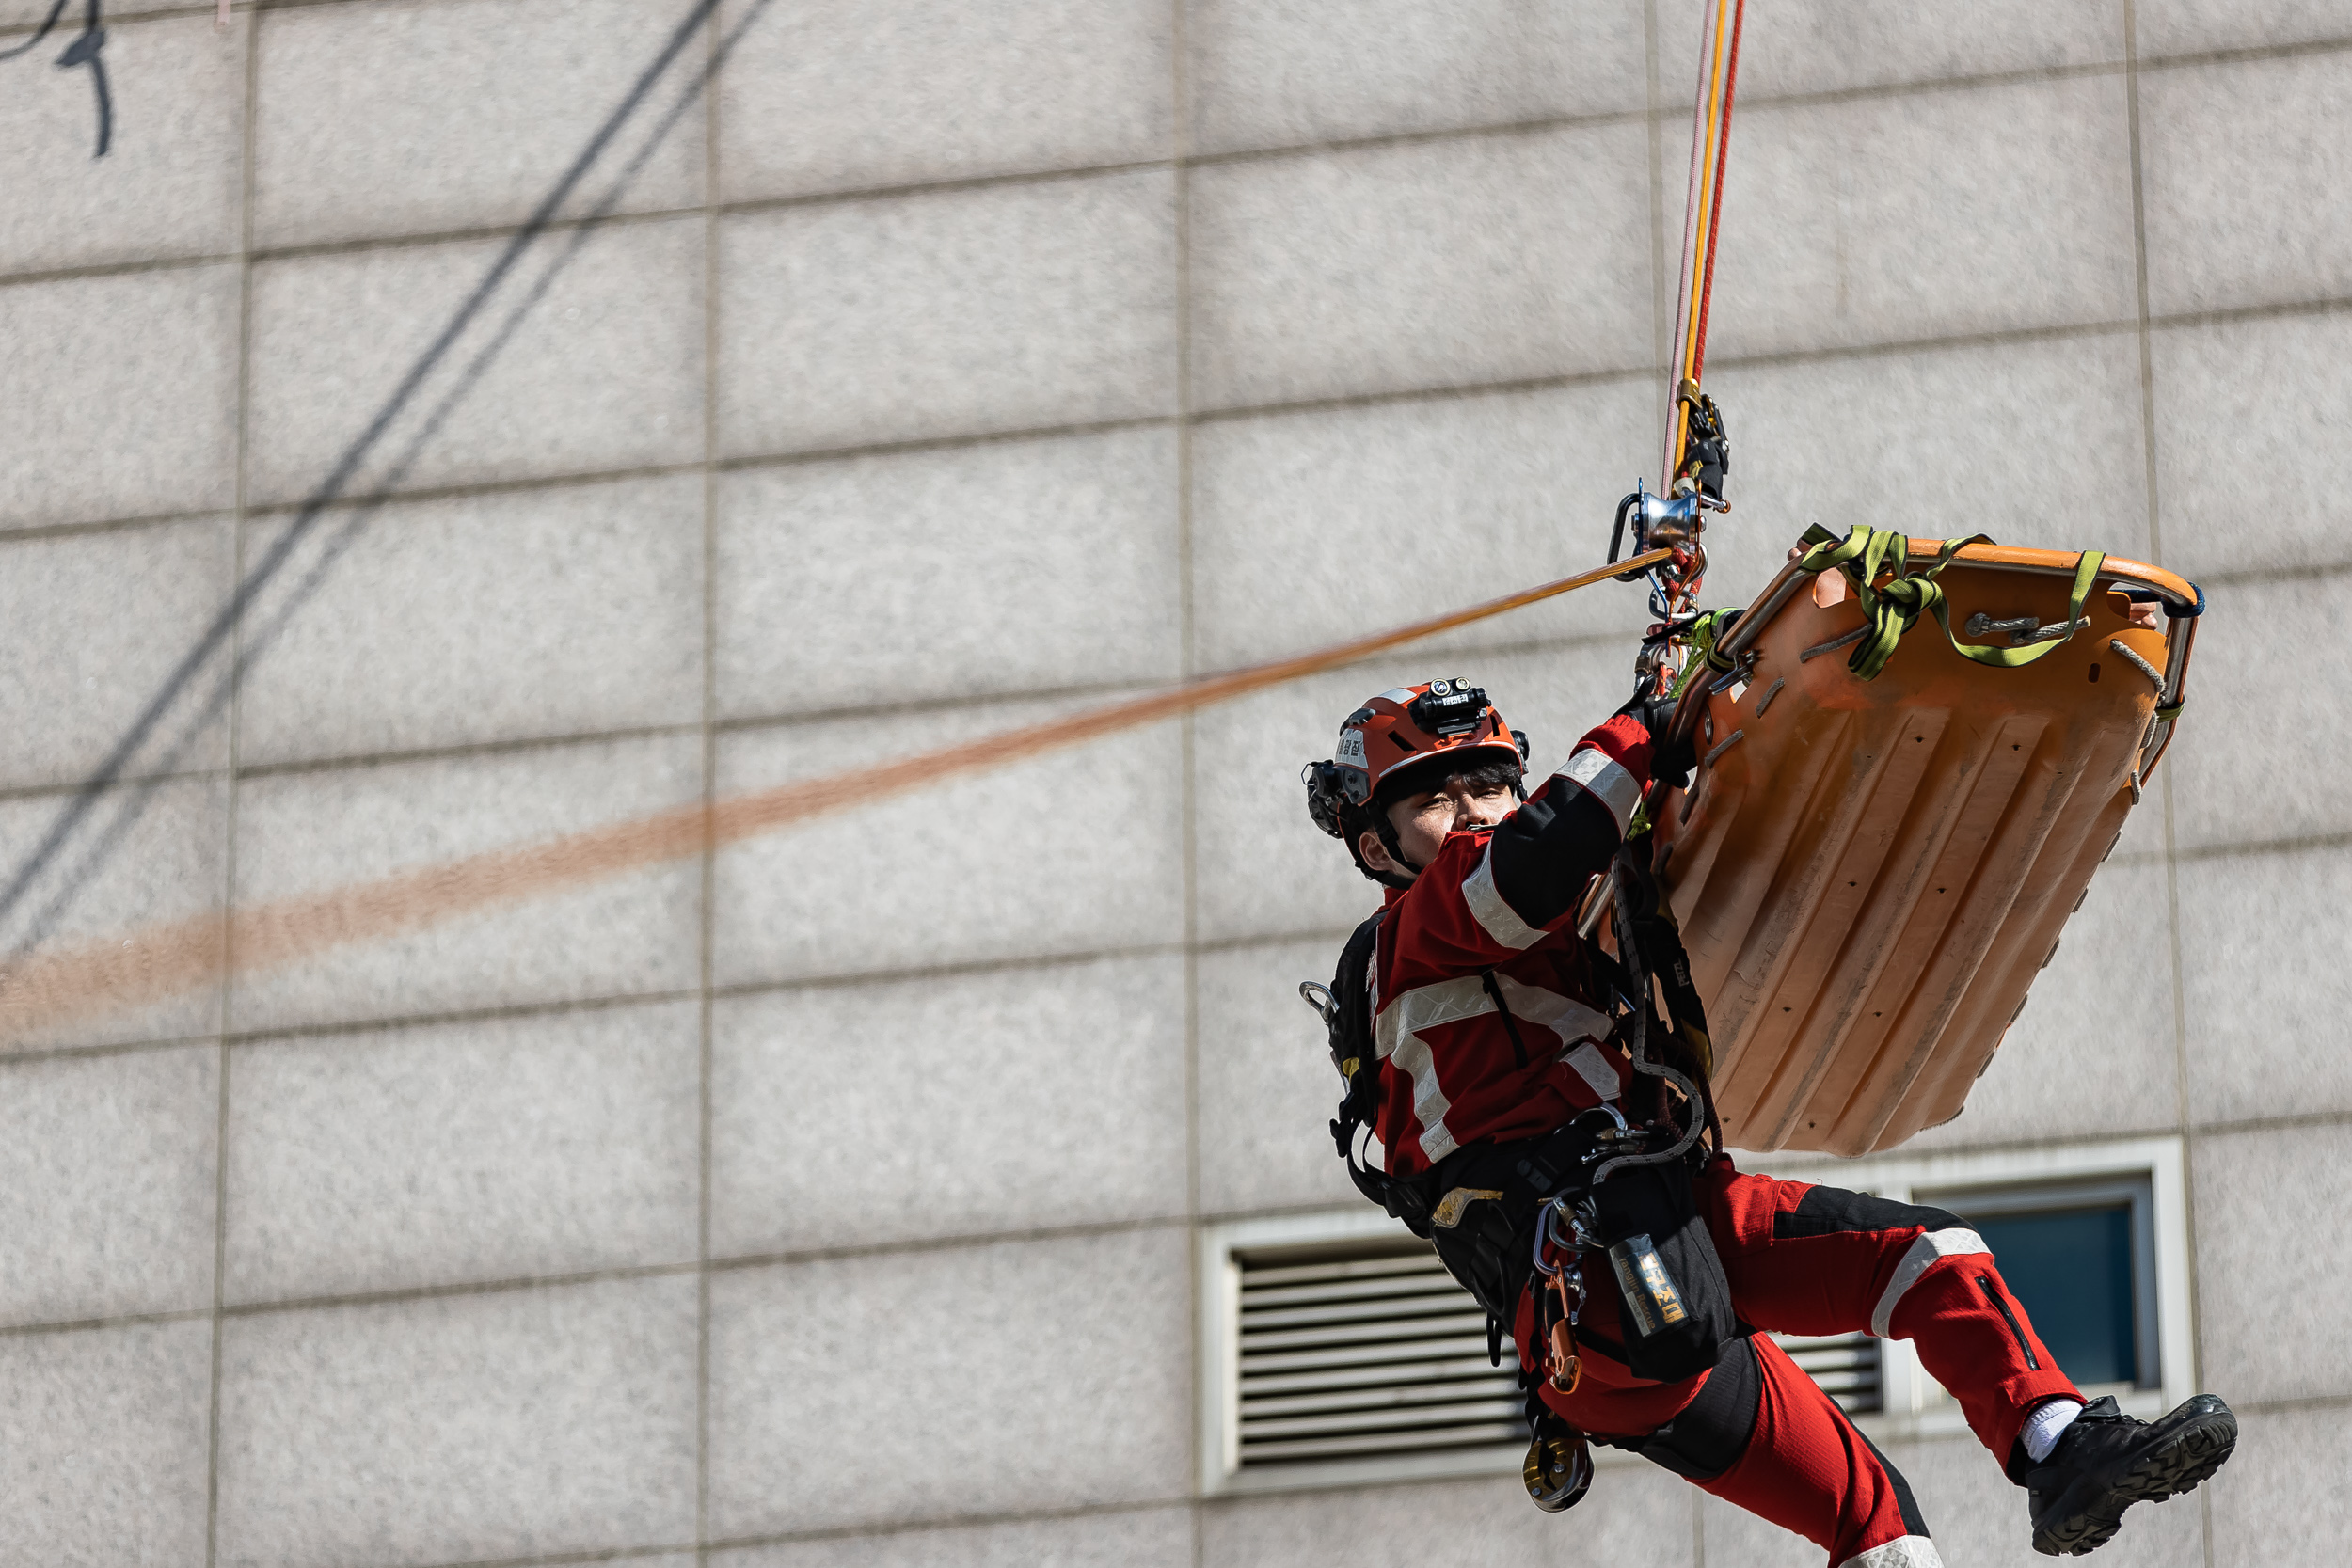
(1493,915)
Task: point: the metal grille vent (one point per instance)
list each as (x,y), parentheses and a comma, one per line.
(1845,1364)
(1364,1351)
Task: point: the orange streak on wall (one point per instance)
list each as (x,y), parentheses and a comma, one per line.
(164,960)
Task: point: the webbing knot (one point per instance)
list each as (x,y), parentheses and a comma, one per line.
(1894,607)
(1706,635)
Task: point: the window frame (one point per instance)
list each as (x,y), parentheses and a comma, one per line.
(1911,1403)
(2134,1192)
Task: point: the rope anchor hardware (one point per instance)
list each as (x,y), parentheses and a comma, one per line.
(2023,632)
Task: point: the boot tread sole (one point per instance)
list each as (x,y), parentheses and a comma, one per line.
(2181,1465)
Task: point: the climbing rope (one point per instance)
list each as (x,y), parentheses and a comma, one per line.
(127,969)
(1697,451)
(2117,646)
(1702,219)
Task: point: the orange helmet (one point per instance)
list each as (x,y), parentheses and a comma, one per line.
(1401,729)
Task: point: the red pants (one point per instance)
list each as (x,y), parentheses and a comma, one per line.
(1755,1430)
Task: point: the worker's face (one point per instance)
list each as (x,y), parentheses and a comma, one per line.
(1422,822)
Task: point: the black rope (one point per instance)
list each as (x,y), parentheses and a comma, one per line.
(19,884)
(40,33)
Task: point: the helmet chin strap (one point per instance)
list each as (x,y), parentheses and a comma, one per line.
(1386,833)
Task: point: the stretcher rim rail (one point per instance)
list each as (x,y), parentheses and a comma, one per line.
(2183,600)
(1895,1072)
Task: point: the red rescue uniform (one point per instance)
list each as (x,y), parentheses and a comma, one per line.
(1490,1026)
(1488,1020)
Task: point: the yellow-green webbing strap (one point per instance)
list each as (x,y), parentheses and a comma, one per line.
(1705,633)
(1895,607)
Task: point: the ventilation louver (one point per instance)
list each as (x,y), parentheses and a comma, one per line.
(1365,1350)
(1369,1349)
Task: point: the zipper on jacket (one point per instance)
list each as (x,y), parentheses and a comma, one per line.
(1984,1283)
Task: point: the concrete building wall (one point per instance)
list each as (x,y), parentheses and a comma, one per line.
(441,425)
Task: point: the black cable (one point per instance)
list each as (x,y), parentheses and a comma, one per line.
(38,32)
(84,51)
(314,507)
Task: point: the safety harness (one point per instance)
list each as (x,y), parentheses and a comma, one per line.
(1501,1215)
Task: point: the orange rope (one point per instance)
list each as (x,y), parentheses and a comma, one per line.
(1715,204)
(1700,222)
(1711,135)
(164,959)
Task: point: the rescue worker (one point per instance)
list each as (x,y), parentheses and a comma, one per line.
(1491,1024)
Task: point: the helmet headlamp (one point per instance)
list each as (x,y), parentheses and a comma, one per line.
(1449,708)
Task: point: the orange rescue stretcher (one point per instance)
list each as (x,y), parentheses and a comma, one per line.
(1868,874)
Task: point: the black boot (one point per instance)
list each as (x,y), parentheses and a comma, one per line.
(2107,1461)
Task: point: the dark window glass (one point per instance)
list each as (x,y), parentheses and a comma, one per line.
(2071,1269)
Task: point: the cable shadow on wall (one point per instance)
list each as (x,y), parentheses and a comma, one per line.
(93,824)
(87,49)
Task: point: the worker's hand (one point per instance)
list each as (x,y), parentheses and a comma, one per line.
(1668,760)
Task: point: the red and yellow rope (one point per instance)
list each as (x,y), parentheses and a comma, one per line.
(1719,75)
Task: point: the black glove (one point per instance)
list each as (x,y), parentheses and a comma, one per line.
(1669,760)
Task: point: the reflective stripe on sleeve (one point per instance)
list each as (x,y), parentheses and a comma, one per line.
(1497,918)
(1907,1551)
(1932,1245)
(1595,770)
